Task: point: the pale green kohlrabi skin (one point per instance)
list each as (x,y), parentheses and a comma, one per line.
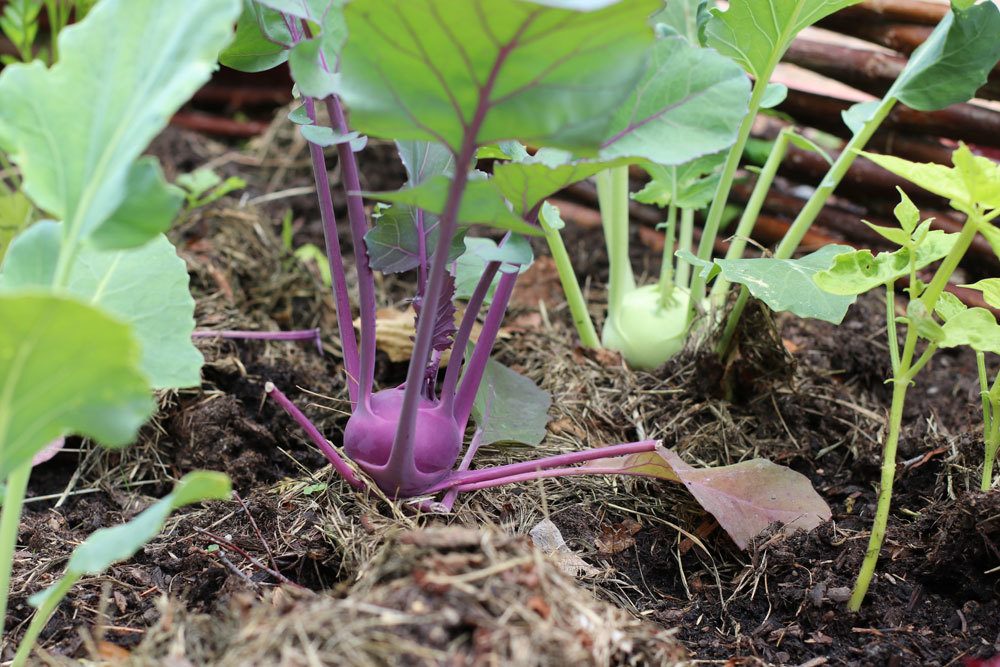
(646,331)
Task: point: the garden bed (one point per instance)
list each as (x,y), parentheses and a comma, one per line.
(655,576)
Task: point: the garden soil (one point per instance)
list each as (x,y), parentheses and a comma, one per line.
(303,570)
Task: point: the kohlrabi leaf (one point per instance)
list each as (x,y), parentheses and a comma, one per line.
(992,235)
(65,367)
(313,62)
(774,95)
(510,407)
(684,18)
(260,42)
(745,498)
(690,102)
(108,546)
(76,129)
(145,287)
(690,185)
(756,33)
(990,287)
(525,184)
(444,319)
(975,328)
(857,272)
(514,255)
(546,74)
(393,243)
(324,136)
(858,114)
(953,62)
(149,208)
(482,203)
(787,284)
(973,180)
(424,160)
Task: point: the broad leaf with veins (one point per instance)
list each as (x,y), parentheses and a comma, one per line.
(689,103)
(546,74)
(146,288)
(756,33)
(76,128)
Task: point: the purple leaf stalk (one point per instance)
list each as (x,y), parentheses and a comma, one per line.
(407,439)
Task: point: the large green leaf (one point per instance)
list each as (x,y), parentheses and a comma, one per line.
(787,284)
(510,407)
(548,75)
(482,203)
(951,65)
(756,33)
(256,46)
(65,367)
(690,102)
(76,129)
(107,546)
(144,287)
(972,181)
(857,272)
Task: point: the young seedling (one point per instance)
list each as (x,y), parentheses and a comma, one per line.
(451,82)
(108,546)
(95,307)
(972,186)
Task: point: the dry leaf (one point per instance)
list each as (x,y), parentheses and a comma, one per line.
(745,498)
(546,536)
(615,539)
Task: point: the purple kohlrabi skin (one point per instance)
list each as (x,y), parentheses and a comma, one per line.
(369,435)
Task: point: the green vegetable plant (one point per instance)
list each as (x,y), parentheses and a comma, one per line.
(934,318)
(452,83)
(649,324)
(946,69)
(21,20)
(95,311)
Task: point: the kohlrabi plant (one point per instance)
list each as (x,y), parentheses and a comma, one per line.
(95,311)
(451,82)
(649,324)
(934,318)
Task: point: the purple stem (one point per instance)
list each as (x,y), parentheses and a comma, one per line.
(464,332)
(421,253)
(449,498)
(303,334)
(476,367)
(359,227)
(559,460)
(539,474)
(335,459)
(401,461)
(341,297)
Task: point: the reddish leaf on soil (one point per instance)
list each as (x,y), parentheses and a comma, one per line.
(745,498)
